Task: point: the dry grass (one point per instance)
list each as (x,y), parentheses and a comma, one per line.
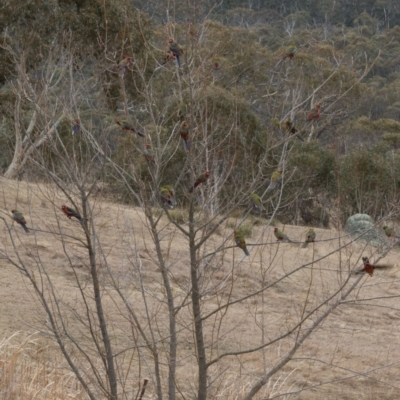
(354,354)
(30,369)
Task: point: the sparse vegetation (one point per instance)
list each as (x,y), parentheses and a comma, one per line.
(177,137)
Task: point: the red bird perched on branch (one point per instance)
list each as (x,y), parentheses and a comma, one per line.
(369,268)
(77,127)
(184,132)
(315,113)
(126,126)
(175,49)
(69,212)
(200,179)
(123,66)
(18,217)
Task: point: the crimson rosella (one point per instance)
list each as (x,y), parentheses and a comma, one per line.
(288,125)
(291,51)
(148,154)
(200,179)
(369,268)
(216,63)
(167,195)
(275,178)
(314,114)
(70,212)
(18,217)
(240,242)
(184,132)
(255,201)
(192,31)
(123,66)
(76,129)
(310,237)
(176,50)
(127,126)
(280,236)
(389,232)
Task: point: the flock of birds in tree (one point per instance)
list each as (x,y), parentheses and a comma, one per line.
(167,192)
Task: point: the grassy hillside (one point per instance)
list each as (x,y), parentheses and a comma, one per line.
(353,353)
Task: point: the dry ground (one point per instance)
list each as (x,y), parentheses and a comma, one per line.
(354,354)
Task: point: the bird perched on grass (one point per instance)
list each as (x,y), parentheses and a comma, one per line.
(76,129)
(184,132)
(369,268)
(176,50)
(315,113)
(123,65)
(149,154)
(70,212)
(127,126)
(255,201)
(275,178)
(280,236)
(389,232)
(199,180)
(240,242)
(167,195)
(18,217)
(310,237)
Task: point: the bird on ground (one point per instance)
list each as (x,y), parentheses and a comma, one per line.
(369,268)
(126,126)
(200,179)
(76,129)
(70,212)
(310,237)
(18,217)
(275,178)
(184,132)
(149,154)
(280,236)
(315,113)
(240,242)
(176,50)
(255,201)
(389,232)
(167,195)
(123,66)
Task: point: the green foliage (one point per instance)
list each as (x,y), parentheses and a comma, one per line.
(369,180)
(314,165)
(230,109)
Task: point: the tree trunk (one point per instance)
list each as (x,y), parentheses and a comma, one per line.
(198,323)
